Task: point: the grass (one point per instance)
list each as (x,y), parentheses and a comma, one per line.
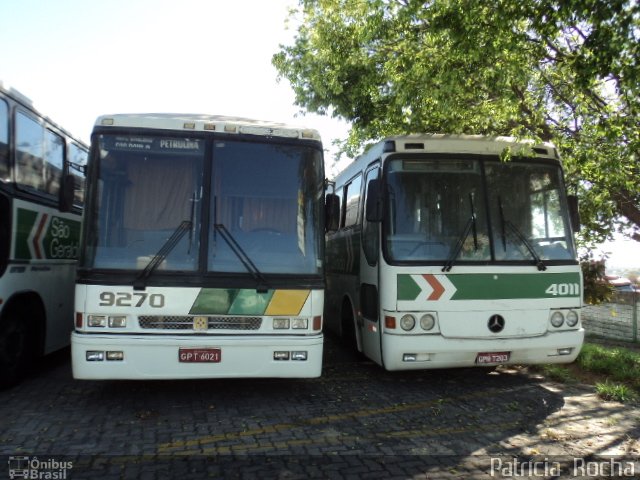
(615,372)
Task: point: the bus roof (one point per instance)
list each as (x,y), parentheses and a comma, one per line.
(448,143)
(478,144)
(208,123)
(25,102)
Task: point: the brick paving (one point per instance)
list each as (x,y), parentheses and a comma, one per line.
(356,421)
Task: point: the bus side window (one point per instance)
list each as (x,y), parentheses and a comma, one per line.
(53,162)
(77,158)
(29,152)
(370,243)
(352,201)
(4,142)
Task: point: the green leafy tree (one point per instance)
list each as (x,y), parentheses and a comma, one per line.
(559,70)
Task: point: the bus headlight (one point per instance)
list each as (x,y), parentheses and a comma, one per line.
(572,318)
(407,322)
(427,321)
(96,320)
(280,323)
(299,323)
(117,321)
(557,319)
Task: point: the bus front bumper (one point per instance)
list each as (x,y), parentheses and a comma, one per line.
(415,352)
(146,357)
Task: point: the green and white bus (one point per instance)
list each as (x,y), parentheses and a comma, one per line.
(202,252)
(41,195)
(440,253)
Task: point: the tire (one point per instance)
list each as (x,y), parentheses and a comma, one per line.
(16,348)
(348,327)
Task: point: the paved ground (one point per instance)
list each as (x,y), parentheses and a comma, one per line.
(356,421)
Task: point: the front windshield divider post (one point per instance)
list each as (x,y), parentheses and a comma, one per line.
(262,286)
(140,283)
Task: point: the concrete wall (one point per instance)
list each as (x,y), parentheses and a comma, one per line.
(617,320)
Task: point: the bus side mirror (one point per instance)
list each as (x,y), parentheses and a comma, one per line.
(373,206)
(67,193)
(574,212)
(332,212)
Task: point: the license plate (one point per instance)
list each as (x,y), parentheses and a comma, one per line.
(484,358)
(200,355)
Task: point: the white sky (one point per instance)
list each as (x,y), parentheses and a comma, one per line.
(77,59)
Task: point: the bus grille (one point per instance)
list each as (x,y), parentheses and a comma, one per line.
(160,322)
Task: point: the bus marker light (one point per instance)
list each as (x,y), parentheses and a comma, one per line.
(97,320)
(230,128)
(78,320)
(117,321)
(209,126)
(115,356)
(189,125)
(565,351)
(281,355)
(107,122)
(410,357)
(300,356)
(94,356)
(389,322)
(317,322)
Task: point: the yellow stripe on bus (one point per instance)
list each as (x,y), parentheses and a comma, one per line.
(287,302)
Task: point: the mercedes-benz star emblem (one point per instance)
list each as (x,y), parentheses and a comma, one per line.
(496,323)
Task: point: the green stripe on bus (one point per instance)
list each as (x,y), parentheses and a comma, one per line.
(25,221)
(230,301)
(408,289)
(511,286)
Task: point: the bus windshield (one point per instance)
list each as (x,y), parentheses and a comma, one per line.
(268,198)
(264,196)
(438,210)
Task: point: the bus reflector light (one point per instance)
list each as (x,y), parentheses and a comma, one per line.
(94,356)
(115,356)
(390,322)
(97,320)
(300,356)
(280,323)
(317,322)
(300,323)
(281,355)
(118,321)
(78,320)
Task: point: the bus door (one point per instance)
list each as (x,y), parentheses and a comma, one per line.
(369,319)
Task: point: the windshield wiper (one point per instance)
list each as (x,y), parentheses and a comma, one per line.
(262,286)
(505,222)
(470,226)
(140,283)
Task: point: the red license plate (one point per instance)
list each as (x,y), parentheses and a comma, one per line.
(484,358)
(200,355)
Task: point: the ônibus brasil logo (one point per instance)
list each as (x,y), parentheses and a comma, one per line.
(42,236)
